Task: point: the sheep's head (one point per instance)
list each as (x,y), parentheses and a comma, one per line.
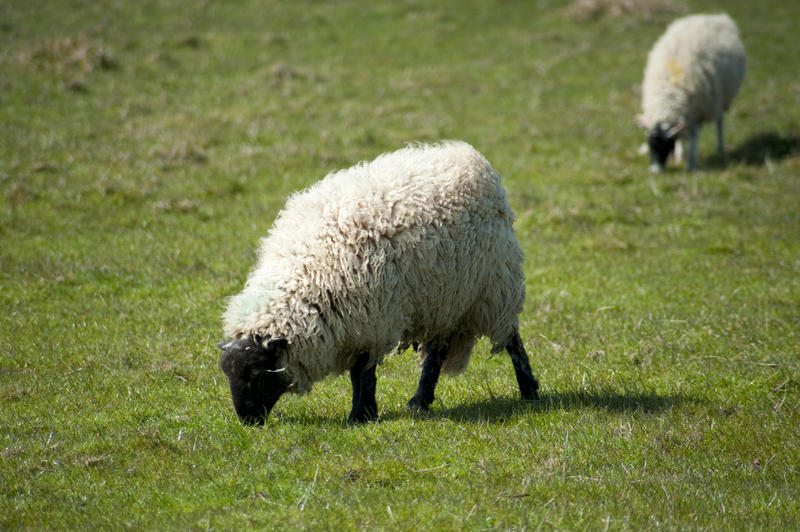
(256,370)
(661,140)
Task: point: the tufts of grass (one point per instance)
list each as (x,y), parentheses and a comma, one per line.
(146,148)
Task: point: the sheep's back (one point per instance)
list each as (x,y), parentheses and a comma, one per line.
(693,71)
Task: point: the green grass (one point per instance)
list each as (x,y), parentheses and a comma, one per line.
(145,147)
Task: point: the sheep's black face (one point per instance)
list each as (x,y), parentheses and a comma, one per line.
(661,145)
(257,375)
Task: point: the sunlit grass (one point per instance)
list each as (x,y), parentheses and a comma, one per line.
(146,147)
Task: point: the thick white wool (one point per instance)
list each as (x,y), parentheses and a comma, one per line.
(693,72)
(414,246)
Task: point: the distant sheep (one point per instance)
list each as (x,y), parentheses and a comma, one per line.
(415,247)
(693,73)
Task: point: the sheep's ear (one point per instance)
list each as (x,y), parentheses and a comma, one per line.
(274,344)
(225,345)
(676,129)
(275,351)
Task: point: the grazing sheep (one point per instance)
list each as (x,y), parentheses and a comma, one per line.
(415,247)
(693,73)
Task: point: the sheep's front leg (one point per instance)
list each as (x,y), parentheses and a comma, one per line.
(431,367)
(694,135)
(680,147)
(527,382)
(363,379)
(720,136)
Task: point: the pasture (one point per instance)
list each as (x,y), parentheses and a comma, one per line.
(145,147)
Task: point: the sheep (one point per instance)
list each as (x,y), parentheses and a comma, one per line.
(693,73)
(413,248)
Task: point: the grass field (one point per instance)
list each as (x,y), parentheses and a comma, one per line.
(145,147)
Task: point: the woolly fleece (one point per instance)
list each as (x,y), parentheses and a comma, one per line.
(415,246)
(693,72)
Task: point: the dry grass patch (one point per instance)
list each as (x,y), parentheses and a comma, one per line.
(642,9)
(75,54)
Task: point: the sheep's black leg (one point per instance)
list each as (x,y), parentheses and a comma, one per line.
(363,379)
(522,367)
(431,367)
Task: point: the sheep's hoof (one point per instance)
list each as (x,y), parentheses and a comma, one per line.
(416,404)
(530,396)
(363,417)
(528,388)
(363,413)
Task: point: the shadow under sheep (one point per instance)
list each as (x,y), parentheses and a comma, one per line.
(503,408)
(500,409)
(756,150)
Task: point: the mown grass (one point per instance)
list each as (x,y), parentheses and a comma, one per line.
(147,146)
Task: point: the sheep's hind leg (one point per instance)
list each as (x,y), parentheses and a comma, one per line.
(431,368)
(363,379)
(527,382)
